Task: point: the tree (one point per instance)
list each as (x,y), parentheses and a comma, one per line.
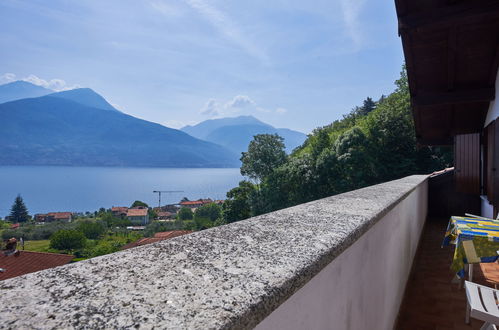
(237,206)
(367,106)
(355,161)
(209,211)
(321,142)
(67,240)
(139,203)
(91,229)
(185,213)
(19,212)
(265,152)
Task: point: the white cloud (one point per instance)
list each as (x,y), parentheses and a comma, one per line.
(55,84)
(351,10)
(239,104)
(240,101)
(227,27)
(211,108)
(7,78)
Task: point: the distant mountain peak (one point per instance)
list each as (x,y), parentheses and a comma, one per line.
(21,89)
(23,83)
(235,133)
(85,96)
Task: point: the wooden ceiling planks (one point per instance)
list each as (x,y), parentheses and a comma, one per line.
(452,55)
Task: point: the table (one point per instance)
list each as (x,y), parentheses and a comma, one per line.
(476,240)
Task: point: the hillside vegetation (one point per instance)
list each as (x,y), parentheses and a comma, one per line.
(374,143)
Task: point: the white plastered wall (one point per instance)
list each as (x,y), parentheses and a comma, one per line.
(363,287)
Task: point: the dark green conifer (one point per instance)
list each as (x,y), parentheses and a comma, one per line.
(19,212)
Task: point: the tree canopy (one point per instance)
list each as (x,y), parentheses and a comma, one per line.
(373,143)
(185,213)
(139,203)
(265,152)
(18,211)
(67,240)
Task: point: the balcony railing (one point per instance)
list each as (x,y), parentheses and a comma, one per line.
(340,262)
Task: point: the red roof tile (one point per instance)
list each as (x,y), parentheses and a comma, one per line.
(171,234)
(60,215)
(140,242)
(192,203)
(136,212)
(29,262)
(122,209)
(157,237)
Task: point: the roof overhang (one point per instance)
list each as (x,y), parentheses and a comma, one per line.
(451,50)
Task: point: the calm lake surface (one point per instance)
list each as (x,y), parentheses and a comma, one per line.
(80,189)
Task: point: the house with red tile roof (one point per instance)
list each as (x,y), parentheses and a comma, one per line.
(29,262)
(195,204)
(138,215)
(53,216)
(61,216)
(161,236)
(119,211)
(162,215)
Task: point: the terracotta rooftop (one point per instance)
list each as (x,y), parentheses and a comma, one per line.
(140,242)
(161,236)
(29,262)
(171,234)
(137,212)
(60,215)
(119,209)
(192,203)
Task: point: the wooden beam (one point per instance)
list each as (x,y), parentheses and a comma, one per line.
(454,97)
(450,15)
(441,141)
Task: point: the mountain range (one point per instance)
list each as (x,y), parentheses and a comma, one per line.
(236,133)
(80,128)
(21,90)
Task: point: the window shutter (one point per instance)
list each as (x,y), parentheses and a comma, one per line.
(467,163)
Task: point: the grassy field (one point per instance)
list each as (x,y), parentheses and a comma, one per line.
(38,246)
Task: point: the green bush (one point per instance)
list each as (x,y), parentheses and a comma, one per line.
(32,232)
(185,213)
(91,229)
(67,240)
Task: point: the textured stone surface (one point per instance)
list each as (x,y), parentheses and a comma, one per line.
(227,277)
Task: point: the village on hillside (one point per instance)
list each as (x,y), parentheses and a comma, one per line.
(42,241)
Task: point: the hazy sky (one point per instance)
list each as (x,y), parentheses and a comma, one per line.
(294,64)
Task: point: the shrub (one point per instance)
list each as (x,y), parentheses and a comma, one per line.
(91,229)
(67,240)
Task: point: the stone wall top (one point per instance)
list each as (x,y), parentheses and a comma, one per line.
(231,276)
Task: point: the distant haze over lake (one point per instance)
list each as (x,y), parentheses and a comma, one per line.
(80,189)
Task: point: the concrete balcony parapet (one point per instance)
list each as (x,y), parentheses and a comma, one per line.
(233,276)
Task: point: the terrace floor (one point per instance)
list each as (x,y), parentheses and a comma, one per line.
(431,302)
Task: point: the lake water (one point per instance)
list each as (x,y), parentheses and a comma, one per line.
(80,189)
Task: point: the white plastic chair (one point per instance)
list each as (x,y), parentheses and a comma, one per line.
(482,305)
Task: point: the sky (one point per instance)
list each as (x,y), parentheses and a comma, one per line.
(293,64)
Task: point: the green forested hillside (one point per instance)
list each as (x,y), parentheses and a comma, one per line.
(374,143)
